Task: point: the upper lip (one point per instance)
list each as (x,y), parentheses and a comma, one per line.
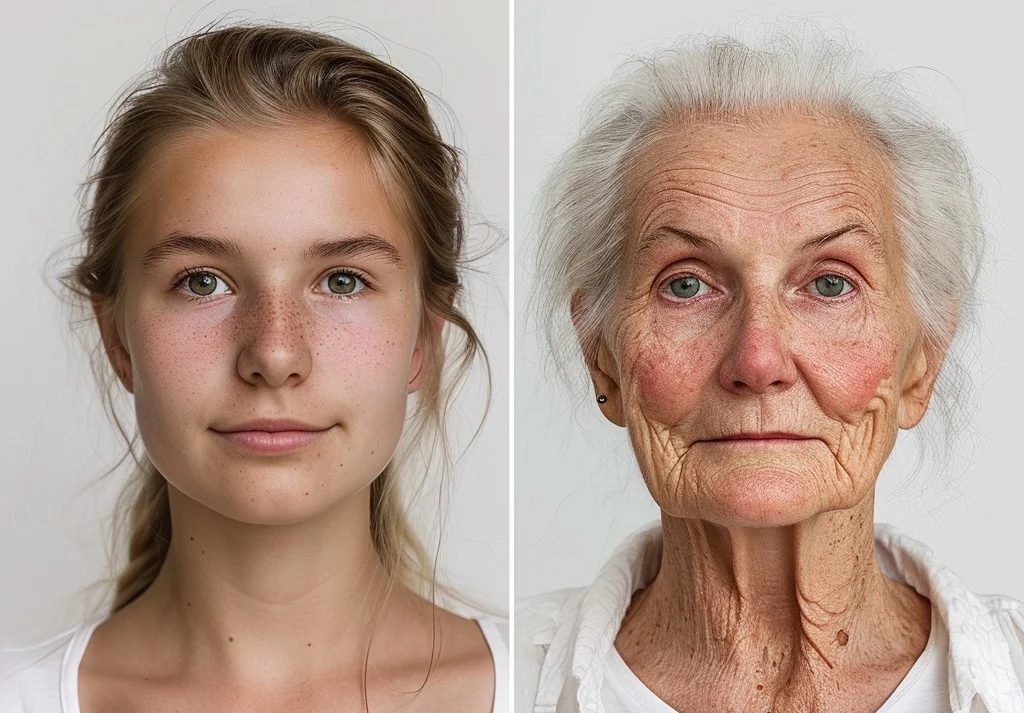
(770,434)
(271,425)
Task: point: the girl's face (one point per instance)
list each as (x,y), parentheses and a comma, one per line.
(271,319)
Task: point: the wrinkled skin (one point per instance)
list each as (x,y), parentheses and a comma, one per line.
(768,587)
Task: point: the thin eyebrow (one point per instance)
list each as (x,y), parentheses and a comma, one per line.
(709,245)
(185,244)
(685,235)
(815,243)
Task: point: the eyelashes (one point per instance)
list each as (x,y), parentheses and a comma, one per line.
(828,286)
(202,284)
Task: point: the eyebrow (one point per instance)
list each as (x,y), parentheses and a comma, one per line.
(186,244)
(710,245)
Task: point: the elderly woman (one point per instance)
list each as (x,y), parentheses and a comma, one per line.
(766,253)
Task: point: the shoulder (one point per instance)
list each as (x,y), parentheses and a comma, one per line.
(496,633)
(30,677)
(538,618)
(986,631)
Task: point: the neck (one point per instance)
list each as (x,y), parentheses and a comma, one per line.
(779,614)
(268,602)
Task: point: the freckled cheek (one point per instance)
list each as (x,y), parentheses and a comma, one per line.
(372,350)
(175,356)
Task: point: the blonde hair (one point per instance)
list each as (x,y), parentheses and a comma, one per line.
(263,75)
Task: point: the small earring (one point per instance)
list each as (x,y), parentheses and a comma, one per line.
(602,399)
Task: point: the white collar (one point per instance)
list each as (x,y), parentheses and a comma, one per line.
(980,662)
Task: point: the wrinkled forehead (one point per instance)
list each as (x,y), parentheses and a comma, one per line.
(789,174)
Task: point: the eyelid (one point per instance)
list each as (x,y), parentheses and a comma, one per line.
(178,282)
(664,290)
(677,270)
(852,282)
(349,270)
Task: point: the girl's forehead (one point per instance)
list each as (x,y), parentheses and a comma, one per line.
(279,188)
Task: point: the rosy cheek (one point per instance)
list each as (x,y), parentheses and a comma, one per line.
(179,352)
(370,349)
(668,373)
(847,376)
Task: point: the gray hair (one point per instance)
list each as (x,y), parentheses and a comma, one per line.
(582,214)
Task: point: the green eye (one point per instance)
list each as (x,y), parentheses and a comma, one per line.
(831,286)
(344,283)
(202,283)
(685,287)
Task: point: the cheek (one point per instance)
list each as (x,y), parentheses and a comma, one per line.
(178,360)
(848,377)
(667,368)
(365,361)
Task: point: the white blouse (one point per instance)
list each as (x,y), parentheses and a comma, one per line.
(566,661)
(44,678)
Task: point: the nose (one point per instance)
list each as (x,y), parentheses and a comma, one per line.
(274,348)
(758,360)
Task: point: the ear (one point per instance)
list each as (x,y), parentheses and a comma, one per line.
(919,381)
(604,370)
(430,334)
(118,355)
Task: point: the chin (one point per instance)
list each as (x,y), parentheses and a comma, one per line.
(754,496)
(271,494)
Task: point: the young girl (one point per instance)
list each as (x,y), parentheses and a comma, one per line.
(273,236)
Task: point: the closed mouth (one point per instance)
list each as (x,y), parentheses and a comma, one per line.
(771,436)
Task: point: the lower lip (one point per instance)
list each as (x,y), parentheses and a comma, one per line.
(273,442)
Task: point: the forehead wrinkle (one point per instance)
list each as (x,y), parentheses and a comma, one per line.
(670,179)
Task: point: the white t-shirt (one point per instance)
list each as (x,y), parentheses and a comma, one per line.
(44,678)
(925,688)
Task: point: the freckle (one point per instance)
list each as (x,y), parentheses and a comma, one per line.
(307,492)
(191,539)
(203,551)
(231,638)
(760,687)
(843,638)
(309,644)
(190,603)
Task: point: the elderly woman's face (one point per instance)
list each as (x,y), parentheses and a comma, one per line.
(766,350)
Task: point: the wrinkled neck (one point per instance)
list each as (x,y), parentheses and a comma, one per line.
(779,609)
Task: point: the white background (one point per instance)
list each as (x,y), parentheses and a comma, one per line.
(578,492)
(61,64)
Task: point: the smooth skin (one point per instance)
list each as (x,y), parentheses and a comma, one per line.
(268,597)
(731,321)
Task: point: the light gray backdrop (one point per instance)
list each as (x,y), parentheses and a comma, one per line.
(578,492)
(61,64)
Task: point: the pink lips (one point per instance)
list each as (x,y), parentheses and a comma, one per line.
(272,436)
